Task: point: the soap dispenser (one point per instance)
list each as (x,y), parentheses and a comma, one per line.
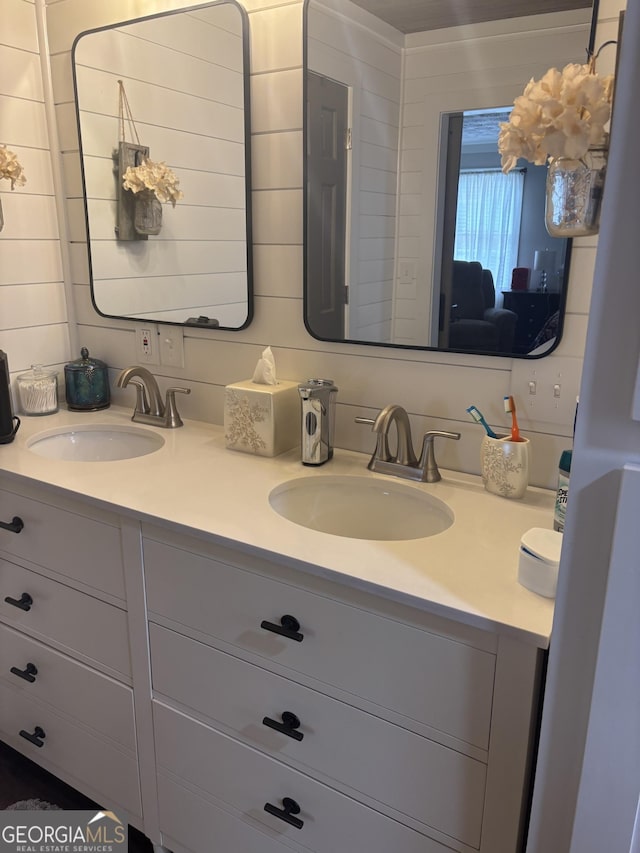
(318,420)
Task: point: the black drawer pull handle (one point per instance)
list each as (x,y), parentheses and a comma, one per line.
(15,525)
(288,627)
(37,738)
(287,812)
(288,725)
(24,602)
(28,673)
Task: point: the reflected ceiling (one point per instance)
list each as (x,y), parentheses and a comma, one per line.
(414,16)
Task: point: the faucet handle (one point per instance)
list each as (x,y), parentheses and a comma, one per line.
(382,450)
(171,416)
(428,464)
(142,403)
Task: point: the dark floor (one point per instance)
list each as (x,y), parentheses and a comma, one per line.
(21,779)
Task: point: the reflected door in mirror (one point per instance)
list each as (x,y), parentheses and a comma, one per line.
(326,163)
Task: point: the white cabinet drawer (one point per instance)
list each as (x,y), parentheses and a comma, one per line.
(189,822)
(81,756)
(75,689)
(75,545)
(414,775)
(79,623)
(421,675)
(245,780)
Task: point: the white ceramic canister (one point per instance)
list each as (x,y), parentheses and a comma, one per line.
(505,466)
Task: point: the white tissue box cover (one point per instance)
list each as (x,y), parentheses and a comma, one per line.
(539,559)
(262,419)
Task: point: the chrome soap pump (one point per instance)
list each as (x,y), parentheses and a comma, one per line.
(318,419)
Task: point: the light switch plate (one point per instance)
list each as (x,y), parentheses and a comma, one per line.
(545,390)
(171,346)
(407,272)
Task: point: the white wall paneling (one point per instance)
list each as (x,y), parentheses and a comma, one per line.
(33,316)
(25,305)
(22,123)
(275,101)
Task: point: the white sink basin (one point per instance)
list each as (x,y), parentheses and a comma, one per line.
(95,443)
(361,508)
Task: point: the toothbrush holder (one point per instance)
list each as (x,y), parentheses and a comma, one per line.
(505,466)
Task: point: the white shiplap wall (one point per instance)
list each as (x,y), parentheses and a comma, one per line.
(33,318)
(435,388)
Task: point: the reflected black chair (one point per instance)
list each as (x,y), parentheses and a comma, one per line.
(476,324)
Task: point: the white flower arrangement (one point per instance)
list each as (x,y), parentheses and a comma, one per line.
(158,178)
(561,115)
(10,167)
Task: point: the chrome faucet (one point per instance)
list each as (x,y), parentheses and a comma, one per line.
(149,408)
(404,463)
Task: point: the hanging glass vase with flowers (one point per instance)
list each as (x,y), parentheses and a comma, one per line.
(152,183)
(560,120)
(12,171)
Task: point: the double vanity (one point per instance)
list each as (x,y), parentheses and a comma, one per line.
(179,649)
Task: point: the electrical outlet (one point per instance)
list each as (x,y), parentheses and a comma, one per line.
(171,345)
(147,344)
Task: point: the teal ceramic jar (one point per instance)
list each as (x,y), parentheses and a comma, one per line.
(86,382)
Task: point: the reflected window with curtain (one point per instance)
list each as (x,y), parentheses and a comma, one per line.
(489,212)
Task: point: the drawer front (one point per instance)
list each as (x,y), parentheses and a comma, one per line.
(424,676)
(91,761)
(190,822)
(75,689)
(80,623)
(245,780)
(425,780)
(74,545)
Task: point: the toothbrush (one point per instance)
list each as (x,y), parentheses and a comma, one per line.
(478,417)
(510,406)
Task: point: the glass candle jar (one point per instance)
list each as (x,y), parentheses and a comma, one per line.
(148,213)
(38,391)
(574,194)
(86,382)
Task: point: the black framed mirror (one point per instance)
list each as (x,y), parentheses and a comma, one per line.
(400,143)
(170,90)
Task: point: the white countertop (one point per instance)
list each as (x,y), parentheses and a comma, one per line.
(468,572)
